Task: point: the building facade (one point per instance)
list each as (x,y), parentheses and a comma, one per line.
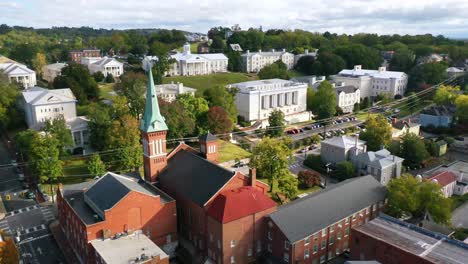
(447,180)
(51,71)
(255,61)
(460,169)
(374,82)
(437,116)
(169,92)
(115,206)
(105,65)
(316,228)
(337,149)
(347,96)
(76,55)
(255,100)
(19,73)
(188,64)
(381,164)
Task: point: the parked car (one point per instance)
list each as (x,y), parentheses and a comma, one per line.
(30,195)
(308,127)
(21,177)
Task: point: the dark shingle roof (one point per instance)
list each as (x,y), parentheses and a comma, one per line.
(346,89)
(194,177)
(111,188)
(312,213)
(207,137)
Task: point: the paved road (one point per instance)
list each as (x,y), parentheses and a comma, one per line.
(29,226)
(8,176)
(460,216)
(308,133)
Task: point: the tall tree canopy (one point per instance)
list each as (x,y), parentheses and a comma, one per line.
(77,78)
(220,96)
(276,123)
(378,133)
(275,70)
(218,120)
(358,54)
(323,102)
(133,86)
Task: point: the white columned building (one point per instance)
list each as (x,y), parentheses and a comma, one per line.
(255,61)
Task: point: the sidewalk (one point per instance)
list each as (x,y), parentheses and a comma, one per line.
(63,244)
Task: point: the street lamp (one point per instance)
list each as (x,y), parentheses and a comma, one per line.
(328,172)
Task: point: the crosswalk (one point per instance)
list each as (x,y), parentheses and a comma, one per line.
(31,230)
(22,210)
(48,213)
(4,226)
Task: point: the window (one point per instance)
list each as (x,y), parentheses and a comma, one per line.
(259,246)
(269,247)
(233,260)
(286,245)
(315,237)
(269,235)
(249,252)
(322,259)
(337,251)
(324,232)
(306,254)
(307,240)
(374,207)
(346,231)
(332,228)
(219,244)
(211,237)
(286,257)
(324,243)
(354,217)
(332,240)
(233,243)
(315,249)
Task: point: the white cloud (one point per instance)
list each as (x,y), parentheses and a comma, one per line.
(351,16)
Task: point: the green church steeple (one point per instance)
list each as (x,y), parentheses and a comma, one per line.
(152,120)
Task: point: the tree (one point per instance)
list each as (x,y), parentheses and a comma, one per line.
(160,67)
(38,63)
(324,101)
(358,54)
(110,78)
(378,133)
(314,162)
(276,122)
(77,78)
(408,196)
(304,65)
(275,70)
(327,63)
(98,76)
(461,104)
(403,60)
(178,119)
(95,165)
(217,45)
(446,94)
(24,140)
(133,86)
(345,170)
(218,120)
(271,158)
(220,96)
(197,108)
(288,186)
(9,94)
(308,178)
(428,73)
(44,156)
(58,128)
(413,150)
(99,125)
(8,252)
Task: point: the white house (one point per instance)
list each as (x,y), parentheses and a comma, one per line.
(255,100)
(460,169)
(105,65)
(41,104)
(255,61)
(169,92)
(337,149)
(447,180)
(17,72)
(374,82)
(51,71)
(381,164)
(187,63)
(347,96)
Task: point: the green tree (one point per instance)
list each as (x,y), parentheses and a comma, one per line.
(95,165)
(109,78)
(461,104)
(328,63)
(403,60)
(218,120)
(58,128)
(197,108)
(44,157)
(100,121)
(217,45)
(323,102)
(446,94)
(178,119)
(133,86)
(98,76)
(275,70)
(160,67)
(427,74)
(38,63)
(276,122)
(9,94)
(271,158)
(378,133)
(413,150)
(304,65)
(288,186)
(345,170)
(358,54)
(24,140)
(77,78)
(220,96)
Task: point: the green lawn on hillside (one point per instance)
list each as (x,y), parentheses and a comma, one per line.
(202,82)
(229,151)
(106,90)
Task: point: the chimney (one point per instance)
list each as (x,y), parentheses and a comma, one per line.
(306,51)
(357,67)
(272,50)
(209,147)
(248,51)
(180,88)
(382,69)
(253,176)
(259,51)
(284,50)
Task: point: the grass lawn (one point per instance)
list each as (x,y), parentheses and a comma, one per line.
(202,82)
(229,151)
(193,47)
(301,191)
(363,115)
(457,200)
(105,90)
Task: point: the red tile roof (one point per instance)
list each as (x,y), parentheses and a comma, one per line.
(444,178)
(234,204)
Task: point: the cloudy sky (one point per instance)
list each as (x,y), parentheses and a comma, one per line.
(448,17)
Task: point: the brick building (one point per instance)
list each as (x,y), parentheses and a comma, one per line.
(76,55)
(195,181)
(316,228)
(391,241)
(114,206)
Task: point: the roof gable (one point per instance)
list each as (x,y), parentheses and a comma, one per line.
(194,177)
(444,178)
